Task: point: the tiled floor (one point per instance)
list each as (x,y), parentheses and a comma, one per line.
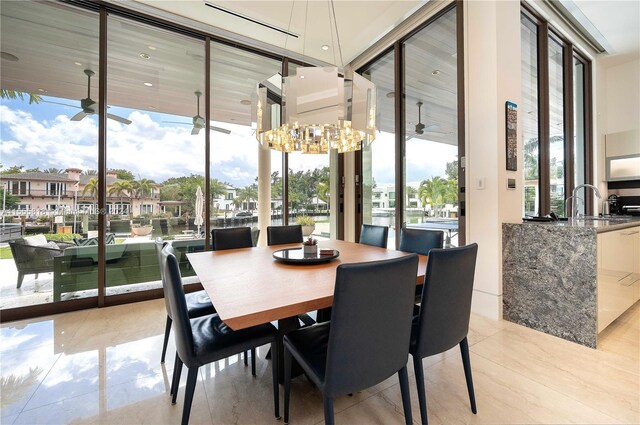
(102,366)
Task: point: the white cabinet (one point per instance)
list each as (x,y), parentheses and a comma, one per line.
(618,273)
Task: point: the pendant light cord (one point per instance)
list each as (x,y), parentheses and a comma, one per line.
(286,38)
(335,22)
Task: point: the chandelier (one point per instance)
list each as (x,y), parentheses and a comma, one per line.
(315,110)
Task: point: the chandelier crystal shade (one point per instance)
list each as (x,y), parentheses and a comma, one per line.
(316,110)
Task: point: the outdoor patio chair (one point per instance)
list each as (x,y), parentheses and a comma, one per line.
(443,320)
(34,255)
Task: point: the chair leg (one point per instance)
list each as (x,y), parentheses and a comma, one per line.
(464,350)
(422,397)
(20,278)
(403,377)
(274,371)
(246,358)
(287,382)
(36,275)
(192,377)
(328,410)
(167,330)
(173,375)
(253,361)
(176,379)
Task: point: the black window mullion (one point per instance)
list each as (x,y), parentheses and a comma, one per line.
(569,124)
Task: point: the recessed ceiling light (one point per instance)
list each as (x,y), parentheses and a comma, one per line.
(145,55)
(302,76)
(325,47)
(9,57)
(435,72)
(42,90)
(151,47)
(78,63)
(245,102)
(391,95)
(148,84)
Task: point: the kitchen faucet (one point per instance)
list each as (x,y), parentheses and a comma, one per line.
(574,211)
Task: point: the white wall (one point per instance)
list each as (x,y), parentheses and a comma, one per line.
(617,104)
(492,74)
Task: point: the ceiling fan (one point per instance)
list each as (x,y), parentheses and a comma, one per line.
(420,128)
(88,105)
(198,120)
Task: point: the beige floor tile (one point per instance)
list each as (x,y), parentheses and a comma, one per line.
(373,410)
(22,372)
(502,396)
(143,401)
(601,380)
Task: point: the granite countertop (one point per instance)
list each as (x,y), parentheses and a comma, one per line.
(606,224)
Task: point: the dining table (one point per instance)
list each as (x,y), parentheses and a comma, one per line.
(249,287)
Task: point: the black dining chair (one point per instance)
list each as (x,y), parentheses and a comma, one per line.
(348,354)
(443,321)
(374,235)
(279,235)
(198,303)
(234,238)
(231,238)
(420,241)
(207,339)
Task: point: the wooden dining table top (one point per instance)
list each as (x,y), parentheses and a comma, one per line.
(249,287)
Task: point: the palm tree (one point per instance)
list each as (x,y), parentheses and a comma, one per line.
(54,170)
(216,189)
(246,194)
(323,193)
(90,172)
(433,191)
(92,188)
(120,188)
(142,187)
(13,94)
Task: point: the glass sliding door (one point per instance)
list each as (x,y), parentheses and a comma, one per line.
(48,152)
(430,198)
(378,159)
(235,170)
(531,140)
(155,151)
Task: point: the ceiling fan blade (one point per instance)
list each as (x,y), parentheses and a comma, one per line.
(63,104)
(195,131)
(220,129)
(431,127)
(176,122)
(79,116)
(119,119)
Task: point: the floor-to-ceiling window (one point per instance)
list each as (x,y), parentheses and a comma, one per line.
(425,151)
(378,159)
(235,74)
(431,119)
(155,148)
(555,87)
(48,148)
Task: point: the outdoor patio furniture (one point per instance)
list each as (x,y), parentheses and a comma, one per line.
(34,255)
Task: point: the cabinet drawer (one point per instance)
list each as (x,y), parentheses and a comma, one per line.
(615,296)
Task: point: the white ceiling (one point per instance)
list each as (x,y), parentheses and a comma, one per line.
(359,23)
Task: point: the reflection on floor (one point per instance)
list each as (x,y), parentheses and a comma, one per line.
(102,366)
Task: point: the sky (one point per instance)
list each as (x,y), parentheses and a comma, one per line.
(42,135)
